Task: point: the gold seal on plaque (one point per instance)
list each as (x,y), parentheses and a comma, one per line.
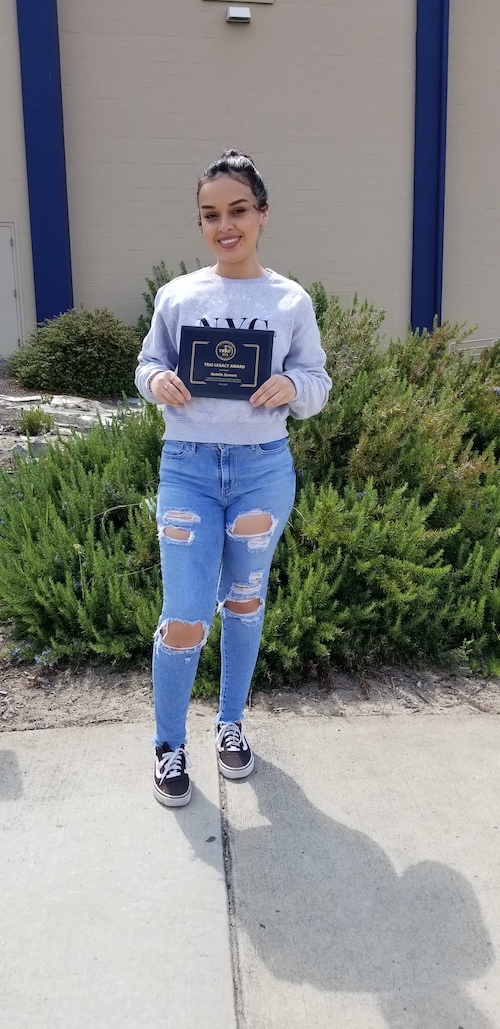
(225,350)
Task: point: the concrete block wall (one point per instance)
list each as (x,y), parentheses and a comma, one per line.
(471,289)
(322,94)
(13,182)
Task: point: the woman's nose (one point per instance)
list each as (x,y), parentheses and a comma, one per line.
(226,221)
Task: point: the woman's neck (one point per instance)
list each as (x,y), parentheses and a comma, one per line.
(234,271)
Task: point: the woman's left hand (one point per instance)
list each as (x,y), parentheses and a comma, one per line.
(277,390)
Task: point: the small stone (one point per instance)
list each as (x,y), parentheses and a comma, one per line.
(38,446)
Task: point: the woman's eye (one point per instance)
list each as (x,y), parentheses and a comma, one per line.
(239,210)
(209,217)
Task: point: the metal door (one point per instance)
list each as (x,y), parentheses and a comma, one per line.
(10,333)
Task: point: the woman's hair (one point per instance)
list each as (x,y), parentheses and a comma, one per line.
(238,166)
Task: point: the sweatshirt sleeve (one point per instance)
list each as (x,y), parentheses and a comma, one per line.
(158,353)
(305,363)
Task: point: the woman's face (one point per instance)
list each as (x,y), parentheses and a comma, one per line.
(231,224)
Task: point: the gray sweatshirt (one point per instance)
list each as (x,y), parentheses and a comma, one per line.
(269,302)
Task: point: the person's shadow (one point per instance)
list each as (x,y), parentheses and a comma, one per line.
(323,904)
(11,779)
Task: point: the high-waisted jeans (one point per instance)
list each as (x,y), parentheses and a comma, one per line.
(204,489)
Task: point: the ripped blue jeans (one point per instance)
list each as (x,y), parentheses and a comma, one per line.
(208,557)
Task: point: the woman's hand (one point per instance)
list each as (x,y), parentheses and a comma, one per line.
(277,390)
(167,388)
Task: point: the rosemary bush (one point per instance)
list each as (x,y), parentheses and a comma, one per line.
(392,551)
(159,277)
(79,575)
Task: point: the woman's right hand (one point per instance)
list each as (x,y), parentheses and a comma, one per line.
(167,388)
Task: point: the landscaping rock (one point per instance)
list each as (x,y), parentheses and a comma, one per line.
(71,414)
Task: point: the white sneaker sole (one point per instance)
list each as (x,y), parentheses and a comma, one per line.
(236,773)
(171,801)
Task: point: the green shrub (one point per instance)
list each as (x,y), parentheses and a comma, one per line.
(482,399)
(89,353)
(319,299)
(372,572)
(426,419)
(357,580)
(159,277)
(427,361)
(392,551)
(79,575)
(35,421)
(356,364)
(407,434)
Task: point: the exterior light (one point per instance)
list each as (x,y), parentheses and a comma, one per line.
(238,14)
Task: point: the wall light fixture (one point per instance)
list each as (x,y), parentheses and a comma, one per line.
(238,14)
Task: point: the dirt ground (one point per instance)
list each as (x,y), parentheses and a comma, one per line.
(34,698)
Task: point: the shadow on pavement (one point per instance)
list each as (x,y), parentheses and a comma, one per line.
(11,780)
(323,904)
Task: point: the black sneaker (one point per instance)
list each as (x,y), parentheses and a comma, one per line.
(171,785)
(233,752)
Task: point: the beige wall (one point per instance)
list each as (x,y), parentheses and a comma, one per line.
(321,93)
(472,220)
(13,185)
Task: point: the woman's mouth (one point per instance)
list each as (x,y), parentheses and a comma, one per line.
(230,242)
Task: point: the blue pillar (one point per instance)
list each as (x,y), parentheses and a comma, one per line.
(45,155)
(430,161)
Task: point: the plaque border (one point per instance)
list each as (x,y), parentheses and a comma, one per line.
(203,382)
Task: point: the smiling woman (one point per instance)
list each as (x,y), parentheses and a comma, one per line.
(233,208)
(231,227)
(227,481)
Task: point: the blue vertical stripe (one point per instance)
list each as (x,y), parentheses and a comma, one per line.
(45,155)
(431,89)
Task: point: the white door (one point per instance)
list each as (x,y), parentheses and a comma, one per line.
(9,309)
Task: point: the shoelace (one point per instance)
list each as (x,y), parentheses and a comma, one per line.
(230,737)
(171,764)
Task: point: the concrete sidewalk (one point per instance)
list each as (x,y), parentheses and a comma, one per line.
(112,915)
(363,862)
(366,873)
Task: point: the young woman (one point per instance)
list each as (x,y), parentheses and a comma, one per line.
(227,481)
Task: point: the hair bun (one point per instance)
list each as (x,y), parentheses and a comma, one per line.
(240,166)
(237,153)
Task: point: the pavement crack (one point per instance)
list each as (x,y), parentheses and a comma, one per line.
(231,906)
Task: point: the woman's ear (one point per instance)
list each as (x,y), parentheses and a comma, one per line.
(265,216)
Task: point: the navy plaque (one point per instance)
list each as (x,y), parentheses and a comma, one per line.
(228,364)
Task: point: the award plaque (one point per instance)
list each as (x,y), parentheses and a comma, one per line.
(228,364)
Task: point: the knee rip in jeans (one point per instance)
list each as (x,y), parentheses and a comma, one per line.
(244,600)
(255,527)
(180,637)
(173,532)
(248,611)
(241,592)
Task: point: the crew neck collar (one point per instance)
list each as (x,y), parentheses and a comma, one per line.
(227,278)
